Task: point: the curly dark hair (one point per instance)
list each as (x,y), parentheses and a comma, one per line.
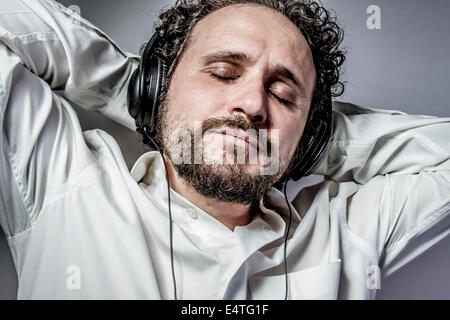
(317,24)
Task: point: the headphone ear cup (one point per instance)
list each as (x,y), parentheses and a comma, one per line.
(134,97)
(146,85)
(154,84)
(317,145)
(315,151)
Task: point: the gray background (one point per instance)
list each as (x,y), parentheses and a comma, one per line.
(403,66)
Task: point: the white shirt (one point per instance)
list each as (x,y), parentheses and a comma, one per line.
(80,225)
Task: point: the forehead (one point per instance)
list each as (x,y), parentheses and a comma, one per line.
(259,31)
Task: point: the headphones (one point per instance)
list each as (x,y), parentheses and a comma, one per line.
(149,80)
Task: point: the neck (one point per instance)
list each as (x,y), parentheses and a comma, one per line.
(229,214)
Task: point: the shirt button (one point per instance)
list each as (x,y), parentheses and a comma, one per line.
(192,213)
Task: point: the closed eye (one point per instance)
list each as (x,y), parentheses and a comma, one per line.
(229,79)
(222,78)
(283,101)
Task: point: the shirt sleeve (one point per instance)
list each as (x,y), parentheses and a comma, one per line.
(45,46)
(401,163)
(70,54)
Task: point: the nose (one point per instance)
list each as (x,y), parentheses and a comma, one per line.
(250,100)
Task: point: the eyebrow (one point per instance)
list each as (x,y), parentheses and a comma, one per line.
(227,55)
(245,58)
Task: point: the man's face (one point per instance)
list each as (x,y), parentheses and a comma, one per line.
(248,67)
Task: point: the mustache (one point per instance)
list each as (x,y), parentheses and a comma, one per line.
(230,122)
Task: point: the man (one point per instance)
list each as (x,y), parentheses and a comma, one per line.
(80,225)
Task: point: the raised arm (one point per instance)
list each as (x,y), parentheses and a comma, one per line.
(43,46)
(369,142)
(401,165)
(69,53)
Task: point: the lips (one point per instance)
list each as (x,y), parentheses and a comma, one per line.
(239,134)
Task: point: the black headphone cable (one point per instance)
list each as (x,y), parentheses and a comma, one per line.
(285,240)
(170,214)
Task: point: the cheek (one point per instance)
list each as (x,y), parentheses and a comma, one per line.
(195,97)
(289,136)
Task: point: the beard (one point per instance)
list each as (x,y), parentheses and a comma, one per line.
(226,182)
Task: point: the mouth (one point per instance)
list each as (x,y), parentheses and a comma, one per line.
(240,135)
